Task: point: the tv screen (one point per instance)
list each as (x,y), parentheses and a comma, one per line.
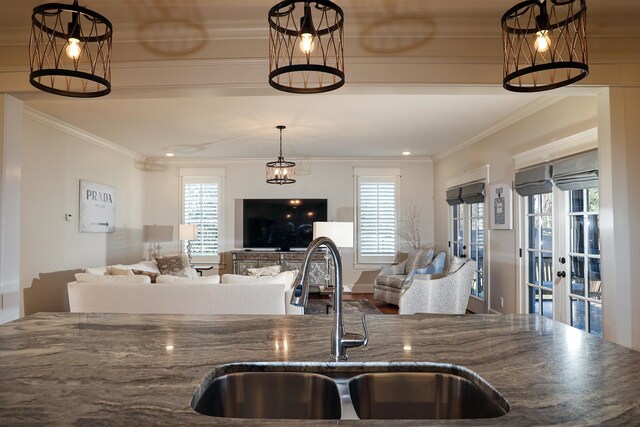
(281,223)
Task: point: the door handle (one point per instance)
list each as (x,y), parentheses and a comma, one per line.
(561,274)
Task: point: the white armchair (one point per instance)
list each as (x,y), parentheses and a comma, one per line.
(447,294)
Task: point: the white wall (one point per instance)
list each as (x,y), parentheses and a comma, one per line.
(619,135)
(54,161)
(10,153)
(332,180)
(562,119)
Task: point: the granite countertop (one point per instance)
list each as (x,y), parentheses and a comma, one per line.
(116,369)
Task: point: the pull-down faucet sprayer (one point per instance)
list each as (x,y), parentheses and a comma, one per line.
(340,340)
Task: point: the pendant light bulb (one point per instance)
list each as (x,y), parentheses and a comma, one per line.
(307,31)
(73,48)
(543,41)
(306,43)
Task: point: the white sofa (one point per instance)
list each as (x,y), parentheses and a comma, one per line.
(181,298)
(96,291)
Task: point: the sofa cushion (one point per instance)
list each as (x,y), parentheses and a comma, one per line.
(393,281)
(173,265)
(101,278)
(264,271)
(212,279)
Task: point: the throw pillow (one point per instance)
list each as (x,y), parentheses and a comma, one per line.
(101,278)
(173,266)
(456,264)
(264,271)
(117,271)
(97,270)
(152,276)
(419,259)
(237,278)
(212,279)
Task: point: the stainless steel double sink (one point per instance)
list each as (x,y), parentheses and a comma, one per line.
(347,391)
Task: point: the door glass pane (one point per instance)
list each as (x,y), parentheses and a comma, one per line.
(577,313)
(474,253)
(455,250)
(594,234)
(480,257)
(534,303)
(595,284)
(534,204)
(534,268)
(595,319)
(547,233)
(474,231)
(576,201)
(480,212)
(534,241)
(577,275)
(545,200)
(593,200)
(547,270)
(577,234)
(547,303)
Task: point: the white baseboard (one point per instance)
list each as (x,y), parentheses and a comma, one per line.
(492,311)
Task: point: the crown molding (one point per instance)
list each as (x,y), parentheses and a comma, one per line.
(531,108)
(52,122)
(238,160)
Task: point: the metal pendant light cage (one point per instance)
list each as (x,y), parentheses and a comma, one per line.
(545,44)
(291,68)
(57,29)
(281,171)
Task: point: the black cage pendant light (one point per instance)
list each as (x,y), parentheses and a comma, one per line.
(70,50)
(305,46)
(281,171)
(545,44)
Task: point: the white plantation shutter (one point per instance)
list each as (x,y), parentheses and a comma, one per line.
(377,219)
(201,198)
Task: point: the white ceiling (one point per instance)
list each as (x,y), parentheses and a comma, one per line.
(362,122)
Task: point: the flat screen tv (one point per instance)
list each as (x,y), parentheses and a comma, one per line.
(281,224)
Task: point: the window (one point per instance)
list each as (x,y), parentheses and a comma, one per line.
(376,205)
(201,205)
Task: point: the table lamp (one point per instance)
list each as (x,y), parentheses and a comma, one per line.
(188,232)
(154,234)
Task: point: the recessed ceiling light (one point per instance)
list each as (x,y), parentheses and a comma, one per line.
(169,154)
(406,153)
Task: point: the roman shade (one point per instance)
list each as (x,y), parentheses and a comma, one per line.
(473,193)
(535,180)
(577,172)
(454,196)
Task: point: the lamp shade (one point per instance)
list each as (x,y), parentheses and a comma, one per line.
(188,232)
(157,233)
(340,232)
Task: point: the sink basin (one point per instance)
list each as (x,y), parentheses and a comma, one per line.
(420,395)
(347,391)
(274,395)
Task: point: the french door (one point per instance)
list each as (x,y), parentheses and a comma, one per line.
(467,240)
(562,257)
